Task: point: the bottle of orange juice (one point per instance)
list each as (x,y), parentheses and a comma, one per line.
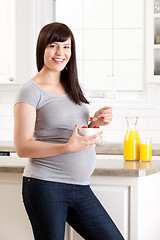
(132,141)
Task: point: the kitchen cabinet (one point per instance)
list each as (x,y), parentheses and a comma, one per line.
(13,219)
(132,204)
(115,199)
(157,42)
(14,223)
(17,28)
(31,16)
(153,41)
(20,22)
(7,41)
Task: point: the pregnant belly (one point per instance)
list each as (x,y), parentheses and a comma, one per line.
(75,167)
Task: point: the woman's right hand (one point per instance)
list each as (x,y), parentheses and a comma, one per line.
(79,143)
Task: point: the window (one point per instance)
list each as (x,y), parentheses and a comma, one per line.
(109,38)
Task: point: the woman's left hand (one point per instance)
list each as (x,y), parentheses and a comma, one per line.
(105,118)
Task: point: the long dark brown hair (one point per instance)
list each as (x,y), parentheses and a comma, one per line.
(59,32)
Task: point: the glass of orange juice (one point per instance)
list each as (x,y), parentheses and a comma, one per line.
(146,149)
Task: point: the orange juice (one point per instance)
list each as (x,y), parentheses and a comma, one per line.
(131,145)
(146,152)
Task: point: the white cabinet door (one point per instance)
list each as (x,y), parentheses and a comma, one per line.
(17,28)
(20,22)
(25,40)
(31,16)
(115,199)
(14,222)
(7,41)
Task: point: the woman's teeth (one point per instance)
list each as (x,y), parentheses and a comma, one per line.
(58,60)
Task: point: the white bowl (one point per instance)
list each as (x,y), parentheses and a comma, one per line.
(88,131)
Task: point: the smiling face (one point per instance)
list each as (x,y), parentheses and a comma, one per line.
(57,55)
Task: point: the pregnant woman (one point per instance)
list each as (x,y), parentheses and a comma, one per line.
(48,110)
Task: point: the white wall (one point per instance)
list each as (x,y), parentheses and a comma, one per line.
(148,123)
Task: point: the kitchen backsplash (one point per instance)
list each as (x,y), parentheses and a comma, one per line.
(148,123)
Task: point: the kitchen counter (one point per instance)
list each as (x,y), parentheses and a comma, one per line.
(7,146)
(121,168)
(104,167)
(117,149)
(101,148)
(10,164)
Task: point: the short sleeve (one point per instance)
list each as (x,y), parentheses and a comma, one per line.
(28,94)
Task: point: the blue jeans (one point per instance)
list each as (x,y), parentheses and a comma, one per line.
(50,205)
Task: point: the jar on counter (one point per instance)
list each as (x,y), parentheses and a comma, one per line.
(131,140)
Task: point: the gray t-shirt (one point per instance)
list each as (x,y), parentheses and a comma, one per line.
(56,116)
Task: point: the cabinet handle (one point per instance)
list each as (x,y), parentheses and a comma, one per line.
(11,79)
